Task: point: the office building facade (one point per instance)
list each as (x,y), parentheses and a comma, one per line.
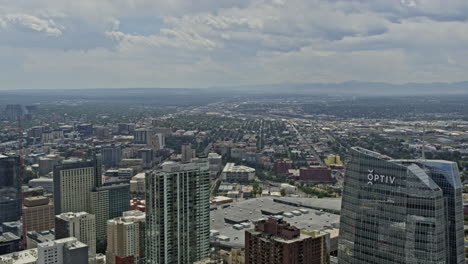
(125,238)
(73,184)
(10,188)
(67,250)
(111,156)
(108,202)
(177,213)
(38,214)
(80,225)
(400,211)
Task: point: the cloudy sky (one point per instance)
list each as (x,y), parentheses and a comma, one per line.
(183,43)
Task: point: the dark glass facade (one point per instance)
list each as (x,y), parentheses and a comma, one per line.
(400,211)
(10,188)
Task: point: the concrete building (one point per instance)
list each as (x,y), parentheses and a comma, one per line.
(125,128)
(141,136)
(147,156)
(34,238)
(73,183)
(80,225)
(108,201)
(401,211)
(125,238)
(67,250)
(21,257)
(111,156)
(177,213)
(46,183)
(46,164)
(38,214)
(187,153)
(233,173)
(275,241)
(137,184)
(136,164)
(215,162)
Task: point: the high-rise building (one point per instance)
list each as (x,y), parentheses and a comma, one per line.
(107,202)
(73,183)
(80,225)
(67,250)
(111,156)
(275,241)
(125,238)
(10,203)
(85,130)
(10,188)
(38,214)
(400,211)
(141,136)
(13,111)
(187,152)
(147,156)
(177,213)
(216,164)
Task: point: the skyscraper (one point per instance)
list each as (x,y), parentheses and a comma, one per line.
(80,225)
(177,213)
(401,211)
(111,156)
(10,188)
(73,183)
(187,152)
(125,238)
(107,202)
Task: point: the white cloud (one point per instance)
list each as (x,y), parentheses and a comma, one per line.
(29,22)
(229,42)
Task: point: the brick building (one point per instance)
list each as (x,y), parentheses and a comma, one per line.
(275,241)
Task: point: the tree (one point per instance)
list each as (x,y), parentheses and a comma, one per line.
(283,192)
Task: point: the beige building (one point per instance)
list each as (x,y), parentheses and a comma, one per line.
(73,183)
(137,184)
(38,213)
(125,237)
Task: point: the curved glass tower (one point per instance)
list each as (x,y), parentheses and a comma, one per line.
(401,211)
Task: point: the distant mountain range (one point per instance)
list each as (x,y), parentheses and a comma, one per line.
(201,95)
(357,88)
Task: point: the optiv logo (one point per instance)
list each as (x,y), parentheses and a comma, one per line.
(373,177)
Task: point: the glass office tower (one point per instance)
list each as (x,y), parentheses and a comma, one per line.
(10,189)
(400,211)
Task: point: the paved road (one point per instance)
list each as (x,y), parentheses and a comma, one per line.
(303,141)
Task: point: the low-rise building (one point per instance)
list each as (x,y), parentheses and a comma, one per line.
(233,173)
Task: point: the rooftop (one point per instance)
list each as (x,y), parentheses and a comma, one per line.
(322,214)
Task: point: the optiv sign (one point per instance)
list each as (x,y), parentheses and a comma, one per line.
(373,177)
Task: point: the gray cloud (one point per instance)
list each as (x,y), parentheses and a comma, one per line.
(203,43)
